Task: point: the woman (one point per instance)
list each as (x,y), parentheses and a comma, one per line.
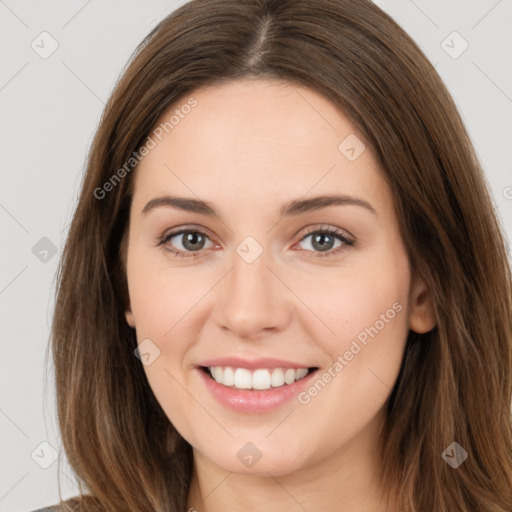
(284,286)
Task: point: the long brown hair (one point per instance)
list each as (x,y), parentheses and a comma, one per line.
(455,383)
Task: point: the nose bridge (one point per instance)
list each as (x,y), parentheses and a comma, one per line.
(252,299)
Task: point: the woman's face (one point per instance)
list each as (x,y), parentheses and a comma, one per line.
(276,280)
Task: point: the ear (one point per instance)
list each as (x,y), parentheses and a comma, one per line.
(422,316)
(123,250)
(129,318)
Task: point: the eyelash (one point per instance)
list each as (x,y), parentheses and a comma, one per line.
(347,242)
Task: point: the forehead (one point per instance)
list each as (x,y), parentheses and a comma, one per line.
(255,138)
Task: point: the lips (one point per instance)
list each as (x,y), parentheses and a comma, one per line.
(258,374)
(253,401)
(254,364)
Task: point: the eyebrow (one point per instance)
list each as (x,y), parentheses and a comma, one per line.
(292,208)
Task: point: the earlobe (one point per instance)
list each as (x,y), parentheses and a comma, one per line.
(129,318)
(422,316)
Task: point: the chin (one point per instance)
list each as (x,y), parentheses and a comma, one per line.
(248,459)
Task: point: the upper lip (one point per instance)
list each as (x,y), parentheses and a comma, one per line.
(253,364)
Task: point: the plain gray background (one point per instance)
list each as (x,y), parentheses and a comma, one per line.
(50,110)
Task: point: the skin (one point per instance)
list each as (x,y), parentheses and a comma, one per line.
(247,148)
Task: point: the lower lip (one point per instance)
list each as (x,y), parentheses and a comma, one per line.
(254,401)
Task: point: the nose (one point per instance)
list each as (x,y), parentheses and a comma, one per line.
(252,300)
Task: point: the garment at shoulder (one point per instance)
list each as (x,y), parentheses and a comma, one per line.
(76,503)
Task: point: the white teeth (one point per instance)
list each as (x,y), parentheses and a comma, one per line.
(277,378)
(217,374)
(260,379)
(289,376)
(301,372)
(229,376)
(243,379)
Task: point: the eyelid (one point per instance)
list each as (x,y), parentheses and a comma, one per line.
(187,227)
(329,228)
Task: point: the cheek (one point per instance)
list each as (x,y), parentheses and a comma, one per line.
(361,320)
(162,301)
(368,314)
(371,325)
(160,293)
(349,300)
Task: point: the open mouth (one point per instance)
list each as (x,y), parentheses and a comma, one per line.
(258,380)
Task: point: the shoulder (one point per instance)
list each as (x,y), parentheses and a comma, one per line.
(83,503)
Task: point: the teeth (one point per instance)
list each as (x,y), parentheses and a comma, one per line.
(277,378)
(228,377)
(260,379)
(217,373)
(243,379)
(289,376)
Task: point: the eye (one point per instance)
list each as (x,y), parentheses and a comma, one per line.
(191,240)
(323,240)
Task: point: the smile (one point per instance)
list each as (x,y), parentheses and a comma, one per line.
(259,379)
